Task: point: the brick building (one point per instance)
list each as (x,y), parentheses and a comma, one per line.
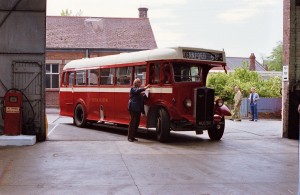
(69,38)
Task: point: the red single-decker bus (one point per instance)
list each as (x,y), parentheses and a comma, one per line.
(96,90)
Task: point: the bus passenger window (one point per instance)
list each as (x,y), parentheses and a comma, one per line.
(107,76)
(140,72)
(64,79)
(93,77)
(80,77)
(167,73)
(71,79)
(124,75)
(154,74)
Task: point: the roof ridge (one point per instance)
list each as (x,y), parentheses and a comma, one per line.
(236,57)
(93,17)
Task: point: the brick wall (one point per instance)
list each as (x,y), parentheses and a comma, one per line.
(62,58)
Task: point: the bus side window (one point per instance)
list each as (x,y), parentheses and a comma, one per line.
(71,79)
(93,77)
(124,75)
(167,74)
(154,74)
(107,76)
(181,73)
(80,77)
(196,73)
(140,72)
(64,79)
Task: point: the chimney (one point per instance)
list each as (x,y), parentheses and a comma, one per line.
(143,12)
(252,62)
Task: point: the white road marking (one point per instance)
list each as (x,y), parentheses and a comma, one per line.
(52,130)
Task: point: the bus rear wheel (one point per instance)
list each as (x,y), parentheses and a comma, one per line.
(79,116)
(162,125)
(217,131)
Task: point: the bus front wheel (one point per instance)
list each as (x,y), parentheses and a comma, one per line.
(163,125)
(217,131)
(79,116)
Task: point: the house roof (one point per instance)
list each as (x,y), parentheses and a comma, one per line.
(237,62)
(99,32)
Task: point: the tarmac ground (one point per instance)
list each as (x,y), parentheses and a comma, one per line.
(251,158)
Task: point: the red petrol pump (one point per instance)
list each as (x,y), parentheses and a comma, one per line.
(12,112)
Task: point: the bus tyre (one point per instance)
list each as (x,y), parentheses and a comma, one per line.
(79,116)
(217,131)
(163,125)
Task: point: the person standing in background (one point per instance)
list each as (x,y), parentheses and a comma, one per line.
(237,105)
(253,97)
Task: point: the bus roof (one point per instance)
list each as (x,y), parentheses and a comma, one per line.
(185,53)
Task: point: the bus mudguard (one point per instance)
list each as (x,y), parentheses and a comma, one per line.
(222,111)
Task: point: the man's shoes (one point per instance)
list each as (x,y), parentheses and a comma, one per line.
(251,120)
(231,119)
(132,140)
(255,120)
(239,120)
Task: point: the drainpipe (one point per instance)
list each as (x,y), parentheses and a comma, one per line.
(86,53)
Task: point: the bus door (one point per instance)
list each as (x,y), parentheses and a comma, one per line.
(68,100)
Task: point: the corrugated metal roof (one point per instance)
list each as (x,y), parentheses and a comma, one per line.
(99,32)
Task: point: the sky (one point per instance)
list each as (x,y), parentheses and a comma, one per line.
(239,27)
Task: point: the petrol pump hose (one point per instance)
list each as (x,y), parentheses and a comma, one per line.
(28,126)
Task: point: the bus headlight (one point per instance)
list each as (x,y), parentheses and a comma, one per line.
(188,103)
(220,102)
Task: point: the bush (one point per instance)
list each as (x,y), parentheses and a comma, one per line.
(245,79)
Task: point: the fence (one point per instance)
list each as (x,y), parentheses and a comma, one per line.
(264,105)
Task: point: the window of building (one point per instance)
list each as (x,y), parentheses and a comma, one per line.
(52,75)
(140,72)
(124,75)
(107,76)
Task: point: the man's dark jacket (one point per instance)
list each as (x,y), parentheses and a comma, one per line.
(136,100)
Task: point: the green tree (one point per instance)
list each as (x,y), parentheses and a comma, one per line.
(66,12)
(274,61)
